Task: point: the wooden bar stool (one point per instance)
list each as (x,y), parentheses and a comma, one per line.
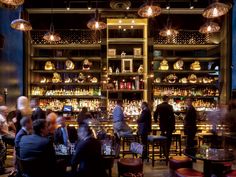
(177,162)
(160,141)
(127,139)
(188,172)
(177,139)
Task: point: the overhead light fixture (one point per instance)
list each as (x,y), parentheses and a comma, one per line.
(21,24)
(89,5)
(94,23)
(168,31)
(216,9)
(51,36)
(11,3)
(148,10)
(209,27)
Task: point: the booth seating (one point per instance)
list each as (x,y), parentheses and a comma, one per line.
(188,172)
(161,142)
(177,162)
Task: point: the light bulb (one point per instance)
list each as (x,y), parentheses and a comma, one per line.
(96,25)
(120,21)
(168,7)
(215,12)
(132,26)
(209,28)
(168,32)
(22,26)
(149,11)
(119,27)
(89,8)
(127,8)
(52,37)
(132,21)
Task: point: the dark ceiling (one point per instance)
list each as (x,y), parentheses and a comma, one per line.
(78,21)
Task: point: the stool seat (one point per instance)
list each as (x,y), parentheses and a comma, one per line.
(188,172)
(130,161)
(231,174)
(129,165)
(156,138)
(180,159)
(177,162)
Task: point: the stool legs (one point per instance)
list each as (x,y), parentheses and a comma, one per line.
(153,154)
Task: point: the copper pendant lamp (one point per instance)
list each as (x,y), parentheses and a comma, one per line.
(149,10)
(209,27)
(216,9)
(51,36)
(94,23)
(21,24)
(13,4)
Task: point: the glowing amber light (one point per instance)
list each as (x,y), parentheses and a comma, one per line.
(148,11)
(209,27)
(21,25)
(215,10)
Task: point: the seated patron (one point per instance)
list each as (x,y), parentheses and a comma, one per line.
(38,151)
(64,134)
(88,155)
(37,113)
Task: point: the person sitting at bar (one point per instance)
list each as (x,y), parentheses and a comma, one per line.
(119,124)
(190,127)
(166,120)
(6,135)
(38,113)
(51,125)
(87,155)
(38,149)
(64,134)
(144,125)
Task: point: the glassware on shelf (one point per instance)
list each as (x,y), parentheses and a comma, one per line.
(69,65)
(49,66)
(178,65)
(164,65)
(56,78)
(86,64)
(195,66)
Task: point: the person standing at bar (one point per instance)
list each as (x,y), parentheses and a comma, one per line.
(144,126)
(166,116)
(190,127)
(38,113)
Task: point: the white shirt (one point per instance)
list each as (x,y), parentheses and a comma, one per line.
(3,124)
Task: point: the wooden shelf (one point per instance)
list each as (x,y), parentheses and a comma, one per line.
(125,40)
(67,96)
(67,46)
(118,57)
(186,58)
(125,74)
(181,84)
(184,47)
(65,58)
(125,90)
(199,97)
(66,71)
(65,84)
(185,71)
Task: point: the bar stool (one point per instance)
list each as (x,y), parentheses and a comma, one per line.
(160,141)
(231,174)
(177,162)
(188,172)
(127,139)
(177,139)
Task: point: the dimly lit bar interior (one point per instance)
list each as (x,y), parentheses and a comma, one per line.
(117,88)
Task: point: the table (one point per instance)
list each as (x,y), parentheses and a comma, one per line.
(209,156)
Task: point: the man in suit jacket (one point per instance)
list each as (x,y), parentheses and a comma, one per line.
(166,120)
(38,113)
(64,134)
(88,155)
(144,125)
(190,127)
(37,151)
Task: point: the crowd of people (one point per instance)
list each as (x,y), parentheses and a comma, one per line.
(34,134)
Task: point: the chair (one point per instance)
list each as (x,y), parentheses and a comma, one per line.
(130,165)
(188,172)
(231,174)
(177,162)
(160,141)
(127,139)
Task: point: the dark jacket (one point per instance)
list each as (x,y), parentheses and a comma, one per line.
(18,118)
(190,121)
(88,156)
(166,117)
(18,137)
(38,113)
(38,150)
(72,135)
(144,122)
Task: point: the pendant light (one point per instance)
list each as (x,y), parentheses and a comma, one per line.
(94,23)
(209,27)
(11,3)
(51,36)
(216,9)
(149,10)
(168,31)
(21,24)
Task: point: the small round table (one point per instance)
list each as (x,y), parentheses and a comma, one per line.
(208,156)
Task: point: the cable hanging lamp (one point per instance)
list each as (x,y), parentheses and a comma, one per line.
(94,23)
(13,4)
(21,24)
(168,31)
(216,9)
(149,10)
(209,27)
(51,36)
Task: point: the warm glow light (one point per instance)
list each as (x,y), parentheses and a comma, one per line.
(216,9)
(22,26)
(127,8)
(96,25)
(149,11)
(132,21)
(132,27)
(89,8)
(119,27)
(168,32)
(215,12)
(167,7)
(209,28)
(52,37)
(120,21)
